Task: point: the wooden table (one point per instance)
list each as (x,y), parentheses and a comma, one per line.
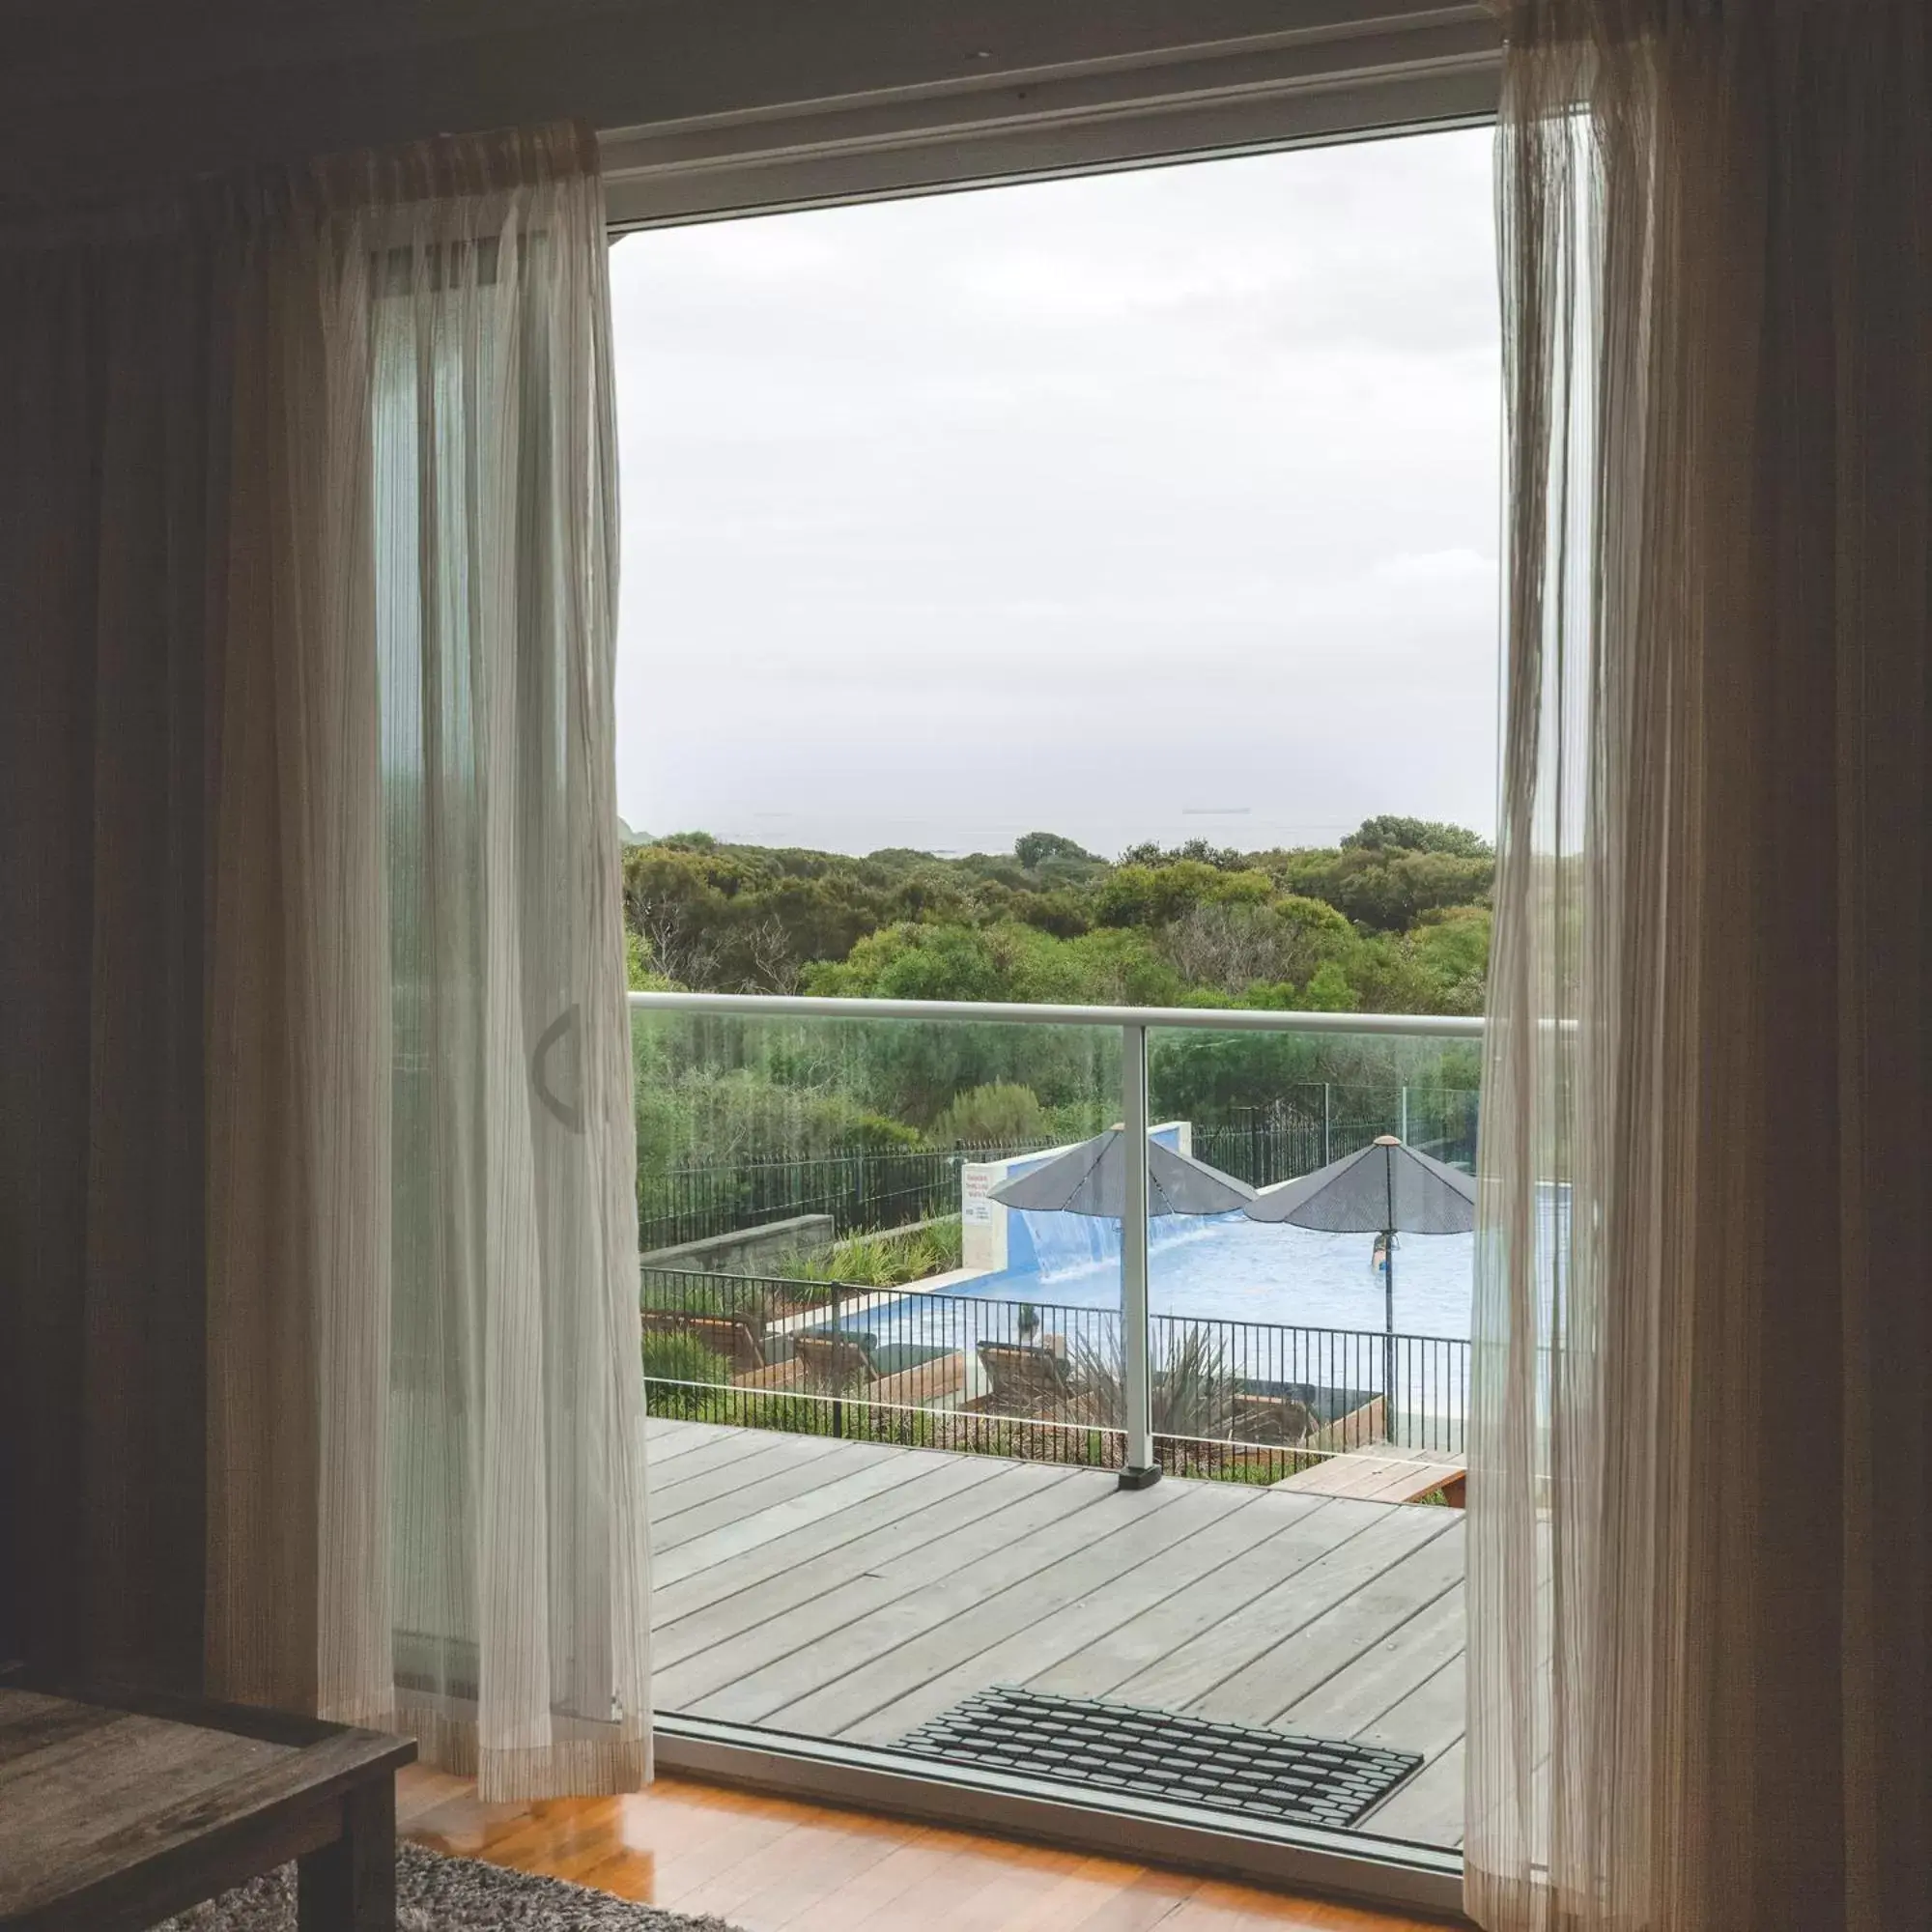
(116,1811)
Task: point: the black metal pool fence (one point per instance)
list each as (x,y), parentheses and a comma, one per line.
(866,1188)
(1250,1401)
(862,1189)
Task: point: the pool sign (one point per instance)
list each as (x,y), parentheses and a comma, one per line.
(982,1221)
(975,1205)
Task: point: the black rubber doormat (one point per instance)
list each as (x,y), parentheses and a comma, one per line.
(1157,1754)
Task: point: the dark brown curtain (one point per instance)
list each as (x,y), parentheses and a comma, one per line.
(110,449)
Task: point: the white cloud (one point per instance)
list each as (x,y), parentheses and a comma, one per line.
(1072,504)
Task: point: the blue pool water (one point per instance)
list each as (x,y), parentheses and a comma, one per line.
(1236,1269)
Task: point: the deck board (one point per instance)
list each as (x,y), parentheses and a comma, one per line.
(1369,1538)
(1056,1631)
(1348,1702)
(1428,1810)
(1052,1612)
(943,1513)
(903,1597)
(744,1476)
(1431,1717)
(855,1590)
(685,1513)
(1143,1641)
(1304,1660)
(738,1445)
(775,1537)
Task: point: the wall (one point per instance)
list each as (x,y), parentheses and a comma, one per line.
(745,1250)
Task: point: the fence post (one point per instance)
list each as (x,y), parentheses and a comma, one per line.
(1136,1380)
(1403,1135)
(837,1370)
(1327,1142)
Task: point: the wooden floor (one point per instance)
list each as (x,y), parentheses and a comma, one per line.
(768,1864)
(852,1590)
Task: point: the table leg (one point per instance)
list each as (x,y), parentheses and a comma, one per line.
(350,1886)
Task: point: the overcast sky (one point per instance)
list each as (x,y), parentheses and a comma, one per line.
(1146,506)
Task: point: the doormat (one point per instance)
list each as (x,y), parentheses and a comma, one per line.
(1157,1754)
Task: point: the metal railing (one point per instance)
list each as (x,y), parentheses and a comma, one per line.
(868,1188)
(860,1189)
(1140,1457)
(1250,1401)
(1315,1121)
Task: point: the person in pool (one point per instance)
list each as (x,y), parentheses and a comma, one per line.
(1379,1254)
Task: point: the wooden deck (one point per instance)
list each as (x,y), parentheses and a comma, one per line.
(853,1590)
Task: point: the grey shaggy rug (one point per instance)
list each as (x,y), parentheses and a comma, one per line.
(434,1894)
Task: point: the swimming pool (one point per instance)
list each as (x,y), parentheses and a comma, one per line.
(1230,1269)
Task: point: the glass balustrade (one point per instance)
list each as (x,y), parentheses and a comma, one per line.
(925,1427)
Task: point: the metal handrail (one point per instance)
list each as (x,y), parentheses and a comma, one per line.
(1008,1012)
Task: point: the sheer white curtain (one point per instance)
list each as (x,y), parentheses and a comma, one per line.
(423,1224)
(1700,1570)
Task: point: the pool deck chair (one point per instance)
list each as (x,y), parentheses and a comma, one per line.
(845,1365)
(1027,1380)
(1272,1419)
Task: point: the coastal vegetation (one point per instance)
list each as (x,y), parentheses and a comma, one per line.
(1393,919)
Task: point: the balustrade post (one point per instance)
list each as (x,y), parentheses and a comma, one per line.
(1136,1377)
(837,1362)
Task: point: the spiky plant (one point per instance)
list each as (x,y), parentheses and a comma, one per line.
(1193,1391)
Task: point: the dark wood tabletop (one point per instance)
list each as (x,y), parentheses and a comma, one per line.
(118,1810)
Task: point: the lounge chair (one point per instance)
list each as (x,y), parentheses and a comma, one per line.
(849,1364)
(1027,1381)
(1272,1419)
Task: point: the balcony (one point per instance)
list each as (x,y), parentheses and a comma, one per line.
(894,1472)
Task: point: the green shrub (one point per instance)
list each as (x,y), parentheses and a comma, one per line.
(684,1372)
(1000,1115)
(877,1261)
(729,1295)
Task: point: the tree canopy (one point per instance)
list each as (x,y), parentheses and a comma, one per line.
(1395,918)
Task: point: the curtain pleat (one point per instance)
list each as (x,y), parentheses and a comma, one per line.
(1701,1572)
(450,879)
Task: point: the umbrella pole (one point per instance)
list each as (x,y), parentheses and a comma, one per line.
(1388,1334)
(1136,1381)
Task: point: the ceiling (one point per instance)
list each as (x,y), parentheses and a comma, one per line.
(99,92)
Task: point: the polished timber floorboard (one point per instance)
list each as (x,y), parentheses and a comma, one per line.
(855,1590)
(770,1864)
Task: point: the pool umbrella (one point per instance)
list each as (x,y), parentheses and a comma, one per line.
(1385,1188)
(1092,1179)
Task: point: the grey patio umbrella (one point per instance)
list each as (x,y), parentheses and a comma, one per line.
(1385,1188)
(1092,1179)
